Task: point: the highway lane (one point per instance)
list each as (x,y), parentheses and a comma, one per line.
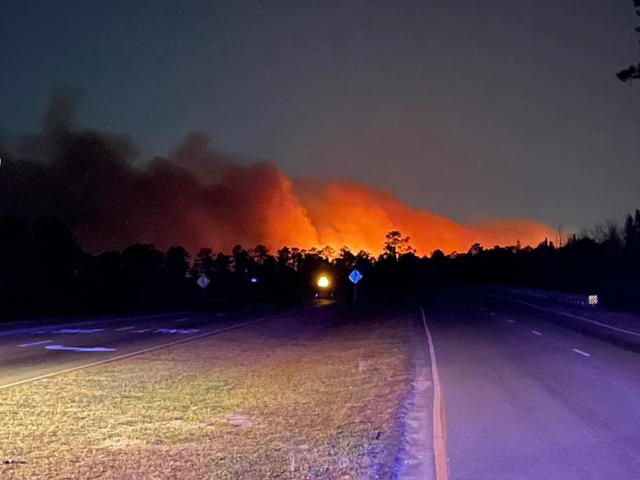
(528,398)
(29,351)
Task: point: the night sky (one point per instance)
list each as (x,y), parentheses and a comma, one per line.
(467,108)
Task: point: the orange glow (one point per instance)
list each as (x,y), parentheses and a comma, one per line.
(263,206)
(352,214)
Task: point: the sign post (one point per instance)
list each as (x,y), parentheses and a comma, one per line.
(355,277)
(202,282)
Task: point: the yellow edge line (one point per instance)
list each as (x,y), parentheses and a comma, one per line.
(439,412)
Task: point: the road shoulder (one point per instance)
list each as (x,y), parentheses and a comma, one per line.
(418,454)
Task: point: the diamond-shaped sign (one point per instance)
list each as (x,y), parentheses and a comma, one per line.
(355,276)
(203,281)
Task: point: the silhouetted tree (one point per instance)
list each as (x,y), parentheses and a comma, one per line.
(475,249)
(241,259)
(437,255)
(347,257)
(204,264)
(58,259)
(222,263)
(395,244)
(260,253)
(633,72)
(614,237)
(328,252)
(297,258)
(177,262)
(284,256)
(43,270)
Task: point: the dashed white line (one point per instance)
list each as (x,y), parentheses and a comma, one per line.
(628,332)
(80,349)
(79,330)
(177,330)
(510,321)
(141,331)
(124,328)
(39,329)
(536,333)
(581,352)
(182,320)
(151,349)
(34,343)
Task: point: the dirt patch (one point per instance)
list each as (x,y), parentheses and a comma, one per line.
(252,403)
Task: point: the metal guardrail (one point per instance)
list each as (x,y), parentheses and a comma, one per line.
(582,300)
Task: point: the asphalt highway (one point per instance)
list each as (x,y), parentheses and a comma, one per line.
(532,394)
(31,351)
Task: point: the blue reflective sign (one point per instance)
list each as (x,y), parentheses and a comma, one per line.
(355,276)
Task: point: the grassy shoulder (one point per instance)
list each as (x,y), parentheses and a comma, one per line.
(253,403)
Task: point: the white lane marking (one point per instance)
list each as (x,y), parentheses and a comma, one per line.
(80,349)
(151,349)
(124,328)
(536,333)
(581,352)
(141,331)
(34,343)
(182,320)
(79,330)
(167,330)
(629,332)
(38,329)
(510,321)
(177,330)
(439,414)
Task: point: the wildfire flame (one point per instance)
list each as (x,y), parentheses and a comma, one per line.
(308,213)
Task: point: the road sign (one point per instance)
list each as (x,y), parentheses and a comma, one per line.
(203,281)
(355,276)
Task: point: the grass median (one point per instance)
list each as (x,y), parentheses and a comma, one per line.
(254,403)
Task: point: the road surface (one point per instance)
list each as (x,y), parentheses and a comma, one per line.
(32,350)
(526,397)
(529,399)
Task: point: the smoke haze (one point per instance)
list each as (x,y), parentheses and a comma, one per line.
(199,197)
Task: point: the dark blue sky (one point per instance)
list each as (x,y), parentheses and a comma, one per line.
(495,107)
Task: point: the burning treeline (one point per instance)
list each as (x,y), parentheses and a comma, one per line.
(199,197)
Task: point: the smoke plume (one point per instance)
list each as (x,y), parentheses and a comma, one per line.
(199,197)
